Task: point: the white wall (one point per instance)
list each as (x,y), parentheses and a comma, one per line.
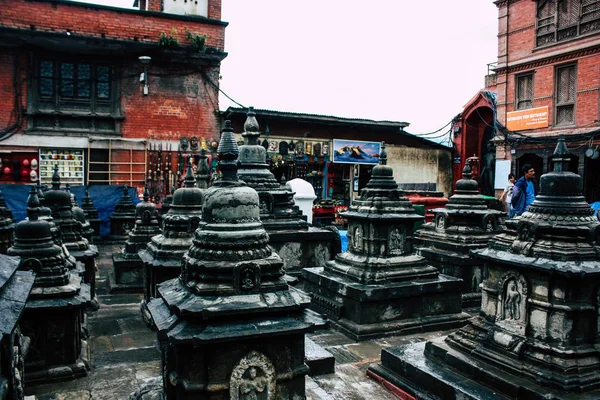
(186,7)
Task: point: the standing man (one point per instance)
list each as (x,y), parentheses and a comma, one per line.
(524,191)
(507,195)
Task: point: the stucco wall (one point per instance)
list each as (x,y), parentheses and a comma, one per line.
(415,165)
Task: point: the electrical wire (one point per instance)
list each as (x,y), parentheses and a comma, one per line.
(205,76)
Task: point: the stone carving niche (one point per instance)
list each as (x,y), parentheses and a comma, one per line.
(512,303)
(253,378)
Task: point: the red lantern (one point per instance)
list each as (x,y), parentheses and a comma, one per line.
(7,170)
(25,163)
(24,173)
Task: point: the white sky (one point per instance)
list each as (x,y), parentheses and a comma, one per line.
(414,61)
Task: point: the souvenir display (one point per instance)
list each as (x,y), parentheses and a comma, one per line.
(325,149)
(283,148)
(308,149)
(300,148)
(317,149)
(273,145)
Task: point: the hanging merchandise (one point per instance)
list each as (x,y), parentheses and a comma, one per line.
(283,148)
(265,144)
(214,145)
(292,146)
(317,149)
(308,148)
(34,164)
(325,149)
(300,148)
(273,145)
(33,176)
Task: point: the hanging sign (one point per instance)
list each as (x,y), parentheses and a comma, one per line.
(355,152)
(531,118)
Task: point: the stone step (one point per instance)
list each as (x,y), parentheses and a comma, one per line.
(319,360)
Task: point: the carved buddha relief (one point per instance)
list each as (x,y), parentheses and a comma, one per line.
(512,305)
(357,238)
(396,240)
(253,378)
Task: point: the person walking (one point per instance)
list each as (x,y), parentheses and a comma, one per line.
(507,194)
(524,191)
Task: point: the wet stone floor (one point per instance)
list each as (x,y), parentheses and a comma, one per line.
(124,355)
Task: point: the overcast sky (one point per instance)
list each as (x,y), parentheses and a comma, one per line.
(413,61)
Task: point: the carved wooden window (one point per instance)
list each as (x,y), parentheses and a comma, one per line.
(524,95)
(565,93)
(72,95)
(559,20)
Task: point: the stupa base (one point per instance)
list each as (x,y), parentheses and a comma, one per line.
(433,370)
(365,312)
(58,373)
(127,275)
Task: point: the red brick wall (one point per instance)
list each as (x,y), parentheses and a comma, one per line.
(95,22)
(516,43)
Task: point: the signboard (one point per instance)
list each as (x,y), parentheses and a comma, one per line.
(355,152)
(531,118)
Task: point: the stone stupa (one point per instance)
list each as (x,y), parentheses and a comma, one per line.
(536,336)
(163,254)
(122,220)
(91,213)
(299,245)
(7,226)
(229,326)
(128,267)
(54,314)
(380,286)
(466,223)
(60,203)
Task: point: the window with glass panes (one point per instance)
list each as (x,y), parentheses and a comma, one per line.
(565,93)
(78,89)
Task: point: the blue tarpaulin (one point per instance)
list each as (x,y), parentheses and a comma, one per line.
(104,197)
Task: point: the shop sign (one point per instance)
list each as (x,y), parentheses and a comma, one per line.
(355,152)
(532,118)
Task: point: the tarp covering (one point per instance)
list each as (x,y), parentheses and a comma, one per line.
(104,197)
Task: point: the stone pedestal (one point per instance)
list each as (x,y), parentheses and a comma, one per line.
(536,336)
(54,313)
(465,224)
(122,220)
(15,287)
(229,326)
(380,286)
(128,266)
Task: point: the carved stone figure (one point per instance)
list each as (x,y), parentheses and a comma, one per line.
(512,303)
(357,238)
(396,242)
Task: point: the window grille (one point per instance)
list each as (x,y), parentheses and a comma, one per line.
(524,91)
(566,90)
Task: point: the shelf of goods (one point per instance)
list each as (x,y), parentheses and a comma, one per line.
(70,165)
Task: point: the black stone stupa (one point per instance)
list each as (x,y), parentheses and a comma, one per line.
(122,220)
(229,326)
(380,286)
(128,267)
(70,228)
(7,226)
(202,171)
(536,336)
(54,314)
(466,223)
(91,213)
(15,287)
(78,213)
(163,254)
(299,245)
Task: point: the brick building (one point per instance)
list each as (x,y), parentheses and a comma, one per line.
(547,83)
(93,87)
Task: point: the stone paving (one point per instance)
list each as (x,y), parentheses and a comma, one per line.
(124,354)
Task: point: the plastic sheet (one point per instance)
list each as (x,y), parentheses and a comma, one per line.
(105,197)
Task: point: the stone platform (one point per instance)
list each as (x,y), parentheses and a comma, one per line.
(124,355)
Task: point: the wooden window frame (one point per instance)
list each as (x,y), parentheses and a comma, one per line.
(565,104)
(518,99)
(586,21)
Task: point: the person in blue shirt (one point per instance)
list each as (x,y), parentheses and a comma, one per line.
(524,191)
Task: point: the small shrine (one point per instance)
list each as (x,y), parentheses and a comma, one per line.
(162,256)
(7,226)
(296,243)
(128,267)
(380,286)
(202,171)
(15,287)
(91,213)
(466,223)
(536,336)
(61,204)
(78,213)
(54,313)
(229,326)
(122,220)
